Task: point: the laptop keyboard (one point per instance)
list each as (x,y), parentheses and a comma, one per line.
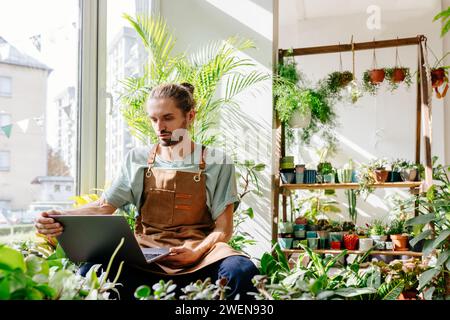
(149,256)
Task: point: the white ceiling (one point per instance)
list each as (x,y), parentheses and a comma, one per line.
(292,10)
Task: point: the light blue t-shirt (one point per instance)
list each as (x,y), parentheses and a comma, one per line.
(221,189)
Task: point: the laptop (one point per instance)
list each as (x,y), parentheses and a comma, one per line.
(93,238)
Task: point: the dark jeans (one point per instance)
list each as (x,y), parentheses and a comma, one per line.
(238,270)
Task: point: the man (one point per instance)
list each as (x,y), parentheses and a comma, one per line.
(185,200)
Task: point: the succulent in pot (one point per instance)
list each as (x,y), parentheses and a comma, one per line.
(325,172)
(350,241)
(378,233)
(372,80)
(323,228)
(409,171)
(380,173)
(399,235)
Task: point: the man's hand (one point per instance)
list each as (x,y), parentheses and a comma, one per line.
(180,257)
(48,226)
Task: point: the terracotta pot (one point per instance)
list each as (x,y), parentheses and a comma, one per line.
(437,77)
(380,176)
(376,76)
(400,242)
(350,241)
(398,75)
(408,295)
(301,220)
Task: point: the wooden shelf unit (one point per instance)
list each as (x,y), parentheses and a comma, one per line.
(422,132)
(374,252)
(305,186)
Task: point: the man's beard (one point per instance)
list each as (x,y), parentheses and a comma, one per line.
(167,142)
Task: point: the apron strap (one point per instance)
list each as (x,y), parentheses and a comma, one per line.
(202,164)
(151,160)
(152,154)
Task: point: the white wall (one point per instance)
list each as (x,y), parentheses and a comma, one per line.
(195,23)
(381,126)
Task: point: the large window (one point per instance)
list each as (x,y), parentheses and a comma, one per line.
(39,49)
(5,160)
(5,86)
(126,57)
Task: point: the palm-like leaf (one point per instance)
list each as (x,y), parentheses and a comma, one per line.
(206,70)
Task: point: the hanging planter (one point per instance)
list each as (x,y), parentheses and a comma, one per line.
(374,77)
(439,77)
(397,74)
(300,119)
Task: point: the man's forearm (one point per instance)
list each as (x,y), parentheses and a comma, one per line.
(96,207)
(217,235)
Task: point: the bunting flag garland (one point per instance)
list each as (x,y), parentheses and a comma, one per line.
(23,124)
(7,129)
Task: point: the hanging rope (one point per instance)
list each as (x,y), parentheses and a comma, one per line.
(353,57)
(374,59)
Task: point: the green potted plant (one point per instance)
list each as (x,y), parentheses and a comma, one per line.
(372,80)
(396,75)
(324,227)
(288,95)
(285,234)
(379,170)
(325,172)
(338,80)
(345,174)
(378,233)
(399,235)
(396,167)
(439,77)
(409,171)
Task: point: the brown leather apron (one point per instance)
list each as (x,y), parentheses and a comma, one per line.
(174,213)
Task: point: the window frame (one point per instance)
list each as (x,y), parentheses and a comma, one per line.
(6,169)
(7,95)
(92,95)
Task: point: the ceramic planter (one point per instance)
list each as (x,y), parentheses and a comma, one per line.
(311,234)
(365,244)
(376,76)
(350,241)
(310,176)
(299,173)
(398,75)
(345,175)
(287,176)
(285,243)
(323,234)
(300,120)
(379,241)
(328,178)
(313,243)
(400,242)
(299,231)
(335,236)
(389,245)
(380,176)
(408,174)
(335,245)
(394,176)
(286,228)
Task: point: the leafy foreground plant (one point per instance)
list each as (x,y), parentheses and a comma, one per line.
(315,280)
(199,290)
(26,276)
(434,210)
